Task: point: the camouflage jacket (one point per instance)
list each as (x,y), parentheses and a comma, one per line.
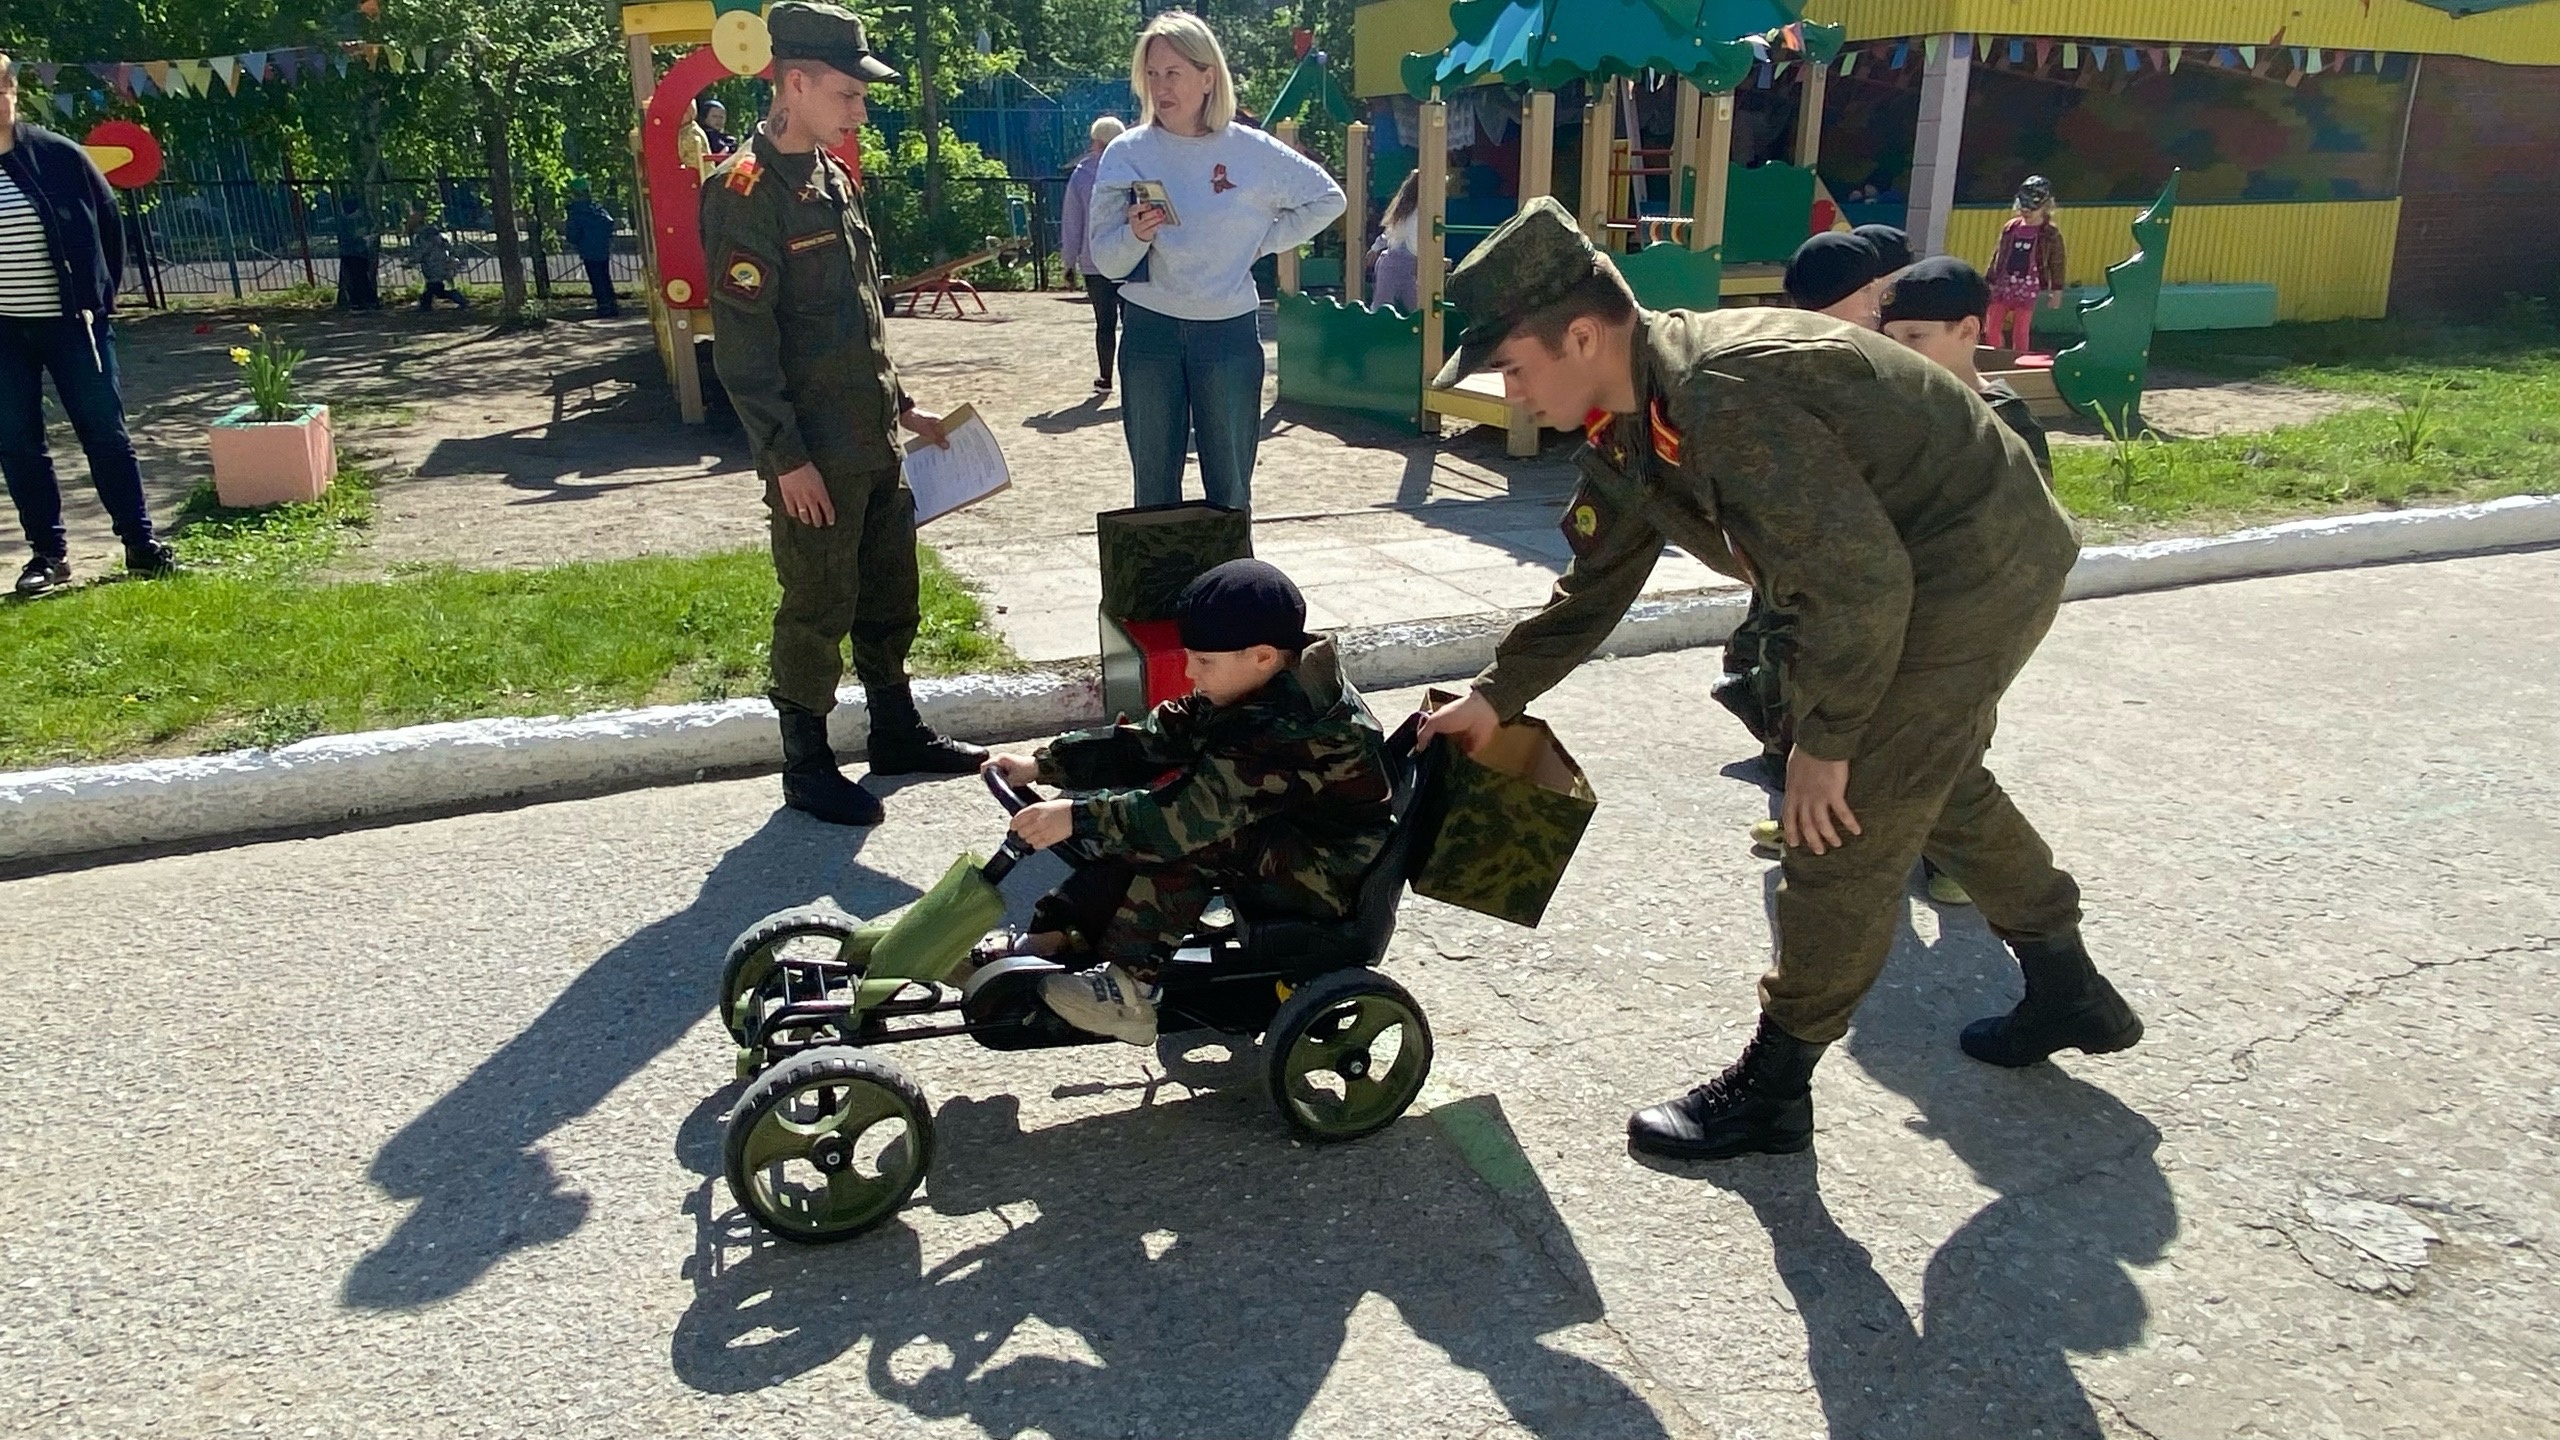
(795,307)
(1887,518)
(1297,771)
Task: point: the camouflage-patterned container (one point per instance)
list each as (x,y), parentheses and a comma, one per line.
(1151,552)
(1497,828)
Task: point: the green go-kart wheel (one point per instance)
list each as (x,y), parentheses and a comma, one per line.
(810,936)
(828,1144)
(1346,1055)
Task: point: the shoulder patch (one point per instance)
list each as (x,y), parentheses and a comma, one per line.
(1586,520)
(743,174)
(742,275)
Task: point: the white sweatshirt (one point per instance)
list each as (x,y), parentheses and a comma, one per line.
(1239,194)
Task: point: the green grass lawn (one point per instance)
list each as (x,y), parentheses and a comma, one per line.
(2461,413)
(248,648)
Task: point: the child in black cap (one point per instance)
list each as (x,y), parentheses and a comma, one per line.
(1280,801)
(1936,307)
(1835,273)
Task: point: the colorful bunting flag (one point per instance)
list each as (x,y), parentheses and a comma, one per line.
(45,71)
(2176,53)
(2098,56)
(2017,52)
(226,68)
(2249,56)
(2044,52)
(2070,55)
(1901,52)
(1848,59)
(1929,49)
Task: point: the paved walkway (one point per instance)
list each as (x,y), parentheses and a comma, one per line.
(413,1131)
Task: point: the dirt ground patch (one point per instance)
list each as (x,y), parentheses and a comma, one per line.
(2184,406)
(563,443)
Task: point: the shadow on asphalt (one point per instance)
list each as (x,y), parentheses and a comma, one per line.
(1179,1268)
(473,1162)
(2035,1276)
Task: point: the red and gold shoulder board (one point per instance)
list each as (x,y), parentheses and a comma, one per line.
(744,174)
(1666,440)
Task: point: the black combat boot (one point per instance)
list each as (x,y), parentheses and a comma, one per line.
(1761,1105)
(902,744)
(810,779)
(2069,1006)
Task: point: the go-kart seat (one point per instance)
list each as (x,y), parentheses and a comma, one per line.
(1295,942)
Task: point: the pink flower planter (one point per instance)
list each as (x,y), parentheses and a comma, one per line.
(283,462)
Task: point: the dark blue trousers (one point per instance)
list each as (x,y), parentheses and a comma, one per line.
(80,355)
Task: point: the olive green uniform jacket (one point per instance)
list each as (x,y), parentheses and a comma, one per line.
(1891,525)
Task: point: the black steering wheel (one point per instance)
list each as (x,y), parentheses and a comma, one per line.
(1015,800)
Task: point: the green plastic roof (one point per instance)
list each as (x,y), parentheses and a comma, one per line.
(1551,43)
(1311,80)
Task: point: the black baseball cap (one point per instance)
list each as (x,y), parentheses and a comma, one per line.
(1941,287)
(1829,268)
(1241,604)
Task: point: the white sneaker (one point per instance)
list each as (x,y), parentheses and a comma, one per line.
(1107,1001)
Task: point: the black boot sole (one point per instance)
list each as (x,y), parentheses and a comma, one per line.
(2123,1037)
(1731,1150)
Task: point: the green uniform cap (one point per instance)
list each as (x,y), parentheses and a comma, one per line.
(1533,261)
(828,34)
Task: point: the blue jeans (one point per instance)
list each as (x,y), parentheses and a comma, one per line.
(1181,376)
(84,379)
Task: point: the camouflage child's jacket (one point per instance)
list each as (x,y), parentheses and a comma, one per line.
(1297,771)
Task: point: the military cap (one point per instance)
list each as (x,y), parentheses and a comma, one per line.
(828,34)
(1241,604)
(1893,247)
(1829,268)
(1533,261)
(1939,288)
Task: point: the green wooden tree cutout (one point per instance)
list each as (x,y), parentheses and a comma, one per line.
(2102,377)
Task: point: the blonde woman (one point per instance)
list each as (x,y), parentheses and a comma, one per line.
(1184,203)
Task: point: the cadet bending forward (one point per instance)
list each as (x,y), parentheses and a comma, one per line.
(1876,503)
(795,304)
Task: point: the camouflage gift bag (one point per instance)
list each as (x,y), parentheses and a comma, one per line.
(1495,829)
(1150,553)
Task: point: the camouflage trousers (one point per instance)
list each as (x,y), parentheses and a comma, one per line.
(1917,783)
(1754,659)
(853,579)
(1131,913)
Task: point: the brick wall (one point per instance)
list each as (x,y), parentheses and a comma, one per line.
(2480,187)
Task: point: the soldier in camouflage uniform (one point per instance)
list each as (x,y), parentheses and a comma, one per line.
(1876,502)
(803,351)
(1281,803)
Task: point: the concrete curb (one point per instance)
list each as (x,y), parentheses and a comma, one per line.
(49,816)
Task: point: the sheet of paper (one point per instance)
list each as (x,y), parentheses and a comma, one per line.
(972,469)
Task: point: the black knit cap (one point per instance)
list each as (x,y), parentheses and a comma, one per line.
(1941,287)
(1241,604)
(1829,268)
(1893,247)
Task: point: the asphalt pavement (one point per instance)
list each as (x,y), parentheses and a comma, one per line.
(414,1131)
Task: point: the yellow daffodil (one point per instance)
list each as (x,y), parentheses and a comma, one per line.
(239,356)
(255,332)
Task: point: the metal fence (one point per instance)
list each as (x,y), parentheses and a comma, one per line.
(250,237)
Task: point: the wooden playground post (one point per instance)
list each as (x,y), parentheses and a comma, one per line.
(1286,132)
(1715,153)
(1355,207)
(1599,149)
(1430,244)
(1817,77)
(1538,147)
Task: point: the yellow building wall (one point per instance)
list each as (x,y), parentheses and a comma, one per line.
(1384,31)
(2328,261)
(2525,35)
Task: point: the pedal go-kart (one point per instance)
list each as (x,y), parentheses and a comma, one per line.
(831,1138)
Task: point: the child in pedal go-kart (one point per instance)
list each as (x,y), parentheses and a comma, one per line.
(1268,784)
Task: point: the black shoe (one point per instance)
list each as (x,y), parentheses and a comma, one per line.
(1761,1105)
(151,561)
(902,744)
(2069,1006)
(810,780)
(43,575)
